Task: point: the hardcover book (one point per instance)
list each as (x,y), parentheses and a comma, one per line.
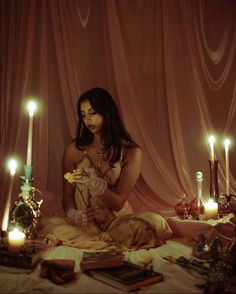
(127,277)
(101,259)
(21,260)
(27,258)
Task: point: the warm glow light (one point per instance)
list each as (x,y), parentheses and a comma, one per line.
(32,106)
(211,140)
(211,209)
(226,142)
(16,239)
(12,166)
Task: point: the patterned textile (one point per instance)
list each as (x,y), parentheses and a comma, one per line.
(111,229)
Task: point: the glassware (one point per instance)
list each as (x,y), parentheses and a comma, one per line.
(182,208)
(197,204)
(223,205)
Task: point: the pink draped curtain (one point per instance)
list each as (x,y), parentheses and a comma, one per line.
(170,65)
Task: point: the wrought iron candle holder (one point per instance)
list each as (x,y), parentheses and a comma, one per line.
(214,188)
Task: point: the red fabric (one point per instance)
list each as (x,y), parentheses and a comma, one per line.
(170,65)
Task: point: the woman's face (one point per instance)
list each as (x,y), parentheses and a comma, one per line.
(92,119)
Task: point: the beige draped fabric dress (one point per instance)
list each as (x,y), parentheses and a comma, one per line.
(110,229)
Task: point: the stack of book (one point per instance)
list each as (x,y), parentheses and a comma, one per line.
(27,258)
(111,269)
(101,259)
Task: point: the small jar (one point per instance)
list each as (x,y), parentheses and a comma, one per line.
(223,205)
(182,208)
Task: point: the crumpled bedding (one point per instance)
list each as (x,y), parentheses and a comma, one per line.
(176,278)
(126,232)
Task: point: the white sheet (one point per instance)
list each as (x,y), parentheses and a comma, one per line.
(176,279)
(222,228)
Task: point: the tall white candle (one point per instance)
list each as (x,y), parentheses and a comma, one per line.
(227,143)
(211,209)
(211,140)
(31,109)
(12,166)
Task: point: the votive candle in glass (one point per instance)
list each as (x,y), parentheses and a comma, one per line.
(211,209)
(16,240)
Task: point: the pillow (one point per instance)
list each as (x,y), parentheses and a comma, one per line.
(161,226)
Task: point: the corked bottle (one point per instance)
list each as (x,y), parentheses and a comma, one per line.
(197,204)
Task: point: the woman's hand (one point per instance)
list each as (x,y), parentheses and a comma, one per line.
(99,215)
(88,176)
(80,218)
(77,176)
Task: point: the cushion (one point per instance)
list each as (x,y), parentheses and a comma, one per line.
(161,226)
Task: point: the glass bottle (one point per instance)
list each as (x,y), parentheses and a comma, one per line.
(182,208)
(223,205)
(197,204)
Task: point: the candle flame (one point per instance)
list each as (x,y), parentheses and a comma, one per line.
(211,139)
(226,142)
(32,106)
(16,240)
(16,231)
(12,166)
(210,201)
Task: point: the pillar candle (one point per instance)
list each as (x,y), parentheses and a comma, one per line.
(226,143)
(16,240)
(211,209)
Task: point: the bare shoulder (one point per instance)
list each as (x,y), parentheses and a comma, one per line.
(71,148)
(71,156)
(133,153)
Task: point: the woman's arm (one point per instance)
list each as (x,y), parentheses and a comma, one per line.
(129,175)
(69,163)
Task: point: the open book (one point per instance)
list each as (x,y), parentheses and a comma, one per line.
(101,259)
(127,277)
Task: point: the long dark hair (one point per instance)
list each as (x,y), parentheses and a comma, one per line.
(113,132)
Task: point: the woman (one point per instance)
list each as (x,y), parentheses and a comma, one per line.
(101,167)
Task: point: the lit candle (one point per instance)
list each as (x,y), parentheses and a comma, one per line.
(211,140)
(12,166)
(211,209)
(227,143)
(31,108)
(16,240)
